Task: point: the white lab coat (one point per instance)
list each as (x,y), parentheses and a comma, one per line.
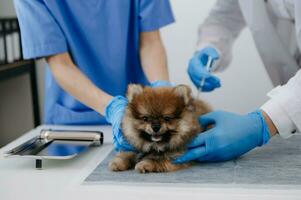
(276,29)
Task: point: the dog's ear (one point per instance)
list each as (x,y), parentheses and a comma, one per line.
(183,91)
(133,90)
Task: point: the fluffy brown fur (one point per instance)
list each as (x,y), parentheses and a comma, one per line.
(158,122)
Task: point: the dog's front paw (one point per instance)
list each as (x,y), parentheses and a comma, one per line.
(118,164)
(145,166)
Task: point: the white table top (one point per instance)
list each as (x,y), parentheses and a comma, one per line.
(62,179)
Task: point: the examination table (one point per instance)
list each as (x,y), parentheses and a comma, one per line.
(72,179)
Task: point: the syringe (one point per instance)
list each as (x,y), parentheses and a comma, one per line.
(208,68)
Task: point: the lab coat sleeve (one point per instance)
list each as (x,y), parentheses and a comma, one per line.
(40,33)
(154,14)
(284,106)
(220,29)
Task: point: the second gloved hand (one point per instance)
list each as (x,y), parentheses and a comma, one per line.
(114,114)
(197,70)
(160,83)
(232,136)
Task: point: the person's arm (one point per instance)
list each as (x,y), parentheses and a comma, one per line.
(153,56)
(272,128)
(220,29)
(284,107)
(216,37)
(74,82)
(233,135)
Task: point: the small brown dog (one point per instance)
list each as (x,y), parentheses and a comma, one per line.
(158,122)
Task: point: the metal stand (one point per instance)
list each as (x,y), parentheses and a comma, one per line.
(38,164)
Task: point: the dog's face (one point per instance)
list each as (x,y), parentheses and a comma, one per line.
(160,119)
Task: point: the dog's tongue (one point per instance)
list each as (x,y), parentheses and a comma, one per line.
(156,138)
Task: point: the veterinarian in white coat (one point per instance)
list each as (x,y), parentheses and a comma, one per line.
(276,29)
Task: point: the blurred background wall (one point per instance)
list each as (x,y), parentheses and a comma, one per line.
(244,84)
(16,115)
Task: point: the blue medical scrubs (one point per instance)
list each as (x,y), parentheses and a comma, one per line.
(102,37)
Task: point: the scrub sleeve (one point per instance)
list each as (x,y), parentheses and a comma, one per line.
(154,14)
(41,35)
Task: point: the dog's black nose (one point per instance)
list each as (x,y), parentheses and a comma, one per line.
(156,127)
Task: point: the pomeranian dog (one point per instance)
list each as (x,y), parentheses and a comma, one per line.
(159,123)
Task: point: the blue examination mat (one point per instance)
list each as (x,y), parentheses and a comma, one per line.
(278,163)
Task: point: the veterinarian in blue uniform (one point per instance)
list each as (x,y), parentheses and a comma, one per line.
(94,49)
(276,29)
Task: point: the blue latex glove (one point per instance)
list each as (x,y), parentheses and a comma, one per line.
(160,84)
(114,113)
(197,70)
(232,136)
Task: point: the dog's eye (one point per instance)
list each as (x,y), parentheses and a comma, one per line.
(145,118)
(167,118)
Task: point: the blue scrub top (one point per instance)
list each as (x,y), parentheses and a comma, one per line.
(102,37)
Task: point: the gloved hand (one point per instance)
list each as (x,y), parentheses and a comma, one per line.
(114,113)
(160,84)
(197,70)
(232,136)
